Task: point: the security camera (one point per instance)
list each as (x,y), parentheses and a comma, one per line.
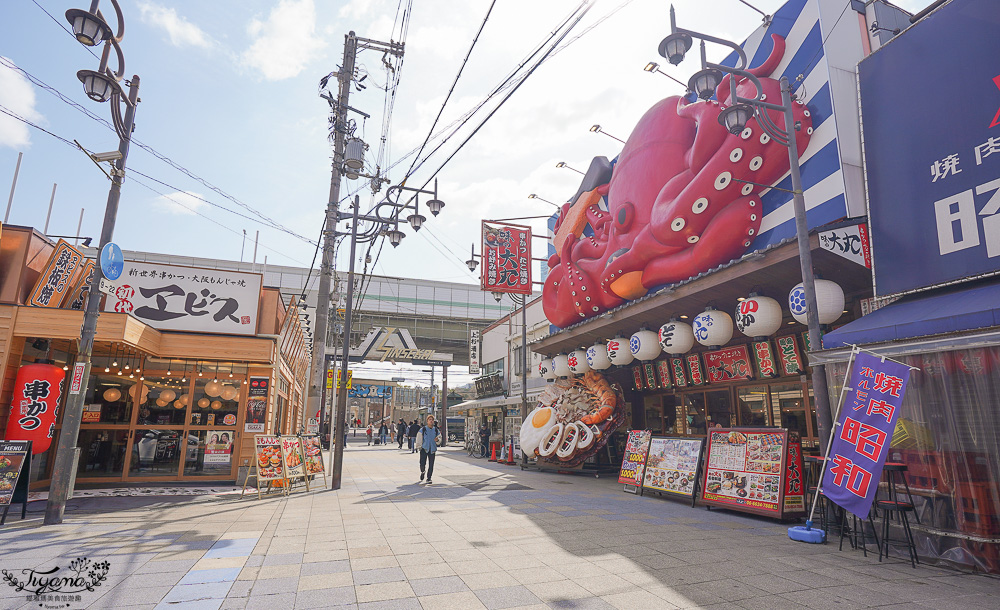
(113,155)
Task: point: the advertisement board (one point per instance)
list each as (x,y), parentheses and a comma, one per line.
(506,258)
(55,281)
(934,195)
(474,351)
(13,456)
(172,297)
(256,404)
(672,465)
(729,364)
(634,461)
(292,459)
(219,447)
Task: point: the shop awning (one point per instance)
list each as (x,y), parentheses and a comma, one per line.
(956,310)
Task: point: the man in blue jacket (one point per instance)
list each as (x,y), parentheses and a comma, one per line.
(429,439)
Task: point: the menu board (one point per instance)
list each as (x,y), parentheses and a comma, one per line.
(314,454)
(13,455)
(634,462)
(291,455)
(745,470)
(268,450)
(672,465)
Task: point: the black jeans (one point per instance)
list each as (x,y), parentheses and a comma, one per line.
(428,459)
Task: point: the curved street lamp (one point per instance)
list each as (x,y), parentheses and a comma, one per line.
(597,129)
(101,85)
(734,118)
(563,164)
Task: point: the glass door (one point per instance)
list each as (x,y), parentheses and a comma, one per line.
(752,405)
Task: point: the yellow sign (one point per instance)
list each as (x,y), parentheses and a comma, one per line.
(329,380)
(350,376)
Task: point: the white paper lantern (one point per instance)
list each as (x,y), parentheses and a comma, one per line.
(597,357)
(229,392)
(560,366)
(758,316)
(168,395)
(676,337)
(713,328)
(645,345)
(546,369)
(829,301)
(619,352)
(577,362)
(213,388)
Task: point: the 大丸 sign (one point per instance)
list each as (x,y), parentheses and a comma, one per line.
(506,258)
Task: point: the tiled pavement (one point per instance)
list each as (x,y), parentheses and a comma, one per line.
(483,536)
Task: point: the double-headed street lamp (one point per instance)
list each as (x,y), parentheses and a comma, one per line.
(101,85)
(734,118)
(383,220)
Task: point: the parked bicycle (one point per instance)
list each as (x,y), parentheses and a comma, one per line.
(476,449)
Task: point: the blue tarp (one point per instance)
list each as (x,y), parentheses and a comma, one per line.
(955,310)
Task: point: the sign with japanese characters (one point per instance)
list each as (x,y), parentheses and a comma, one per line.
(934,195)
(506,258)
(256,404)
(171,297)
(267,449)
(695,373)
(35,405)
(56,279)
(291,454)
(729,364)
(764,356)
(850,242)
(864,432)
(680,377)
(649,370)
(77,298)
(474,351)
(637,377)
(788,355)
(672,465)
(663,372)
(634,462)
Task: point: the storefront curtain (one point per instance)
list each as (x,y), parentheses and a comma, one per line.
(948,435)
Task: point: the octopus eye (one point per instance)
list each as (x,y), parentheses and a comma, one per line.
(746,133)
(809,130)
(756,163)
(750,232)
(693,239)
(736,155)
(747,189)
(700,205)
(752,203)
(677,224)
(806,113)
(764,138)
(753,217)
(723,179)
(625,215)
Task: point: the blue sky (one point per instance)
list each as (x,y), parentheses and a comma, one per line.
(229,91)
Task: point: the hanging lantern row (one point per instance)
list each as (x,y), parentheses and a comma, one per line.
(756,317)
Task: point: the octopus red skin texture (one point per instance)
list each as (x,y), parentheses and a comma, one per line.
(676,203)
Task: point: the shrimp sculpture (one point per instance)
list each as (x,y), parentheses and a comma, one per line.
(574,419)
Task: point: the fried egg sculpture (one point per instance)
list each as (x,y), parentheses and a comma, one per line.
(573,421)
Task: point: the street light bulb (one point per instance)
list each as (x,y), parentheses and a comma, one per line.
(595,128)
(472,264)
(561,164)
(498,296)
(98,87)
(416,221)
(651,66)
(395,236)
(704,82)
(735,118)
(435,205)
(674,47)
(88,28)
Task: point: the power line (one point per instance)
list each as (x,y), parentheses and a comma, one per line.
(64,28)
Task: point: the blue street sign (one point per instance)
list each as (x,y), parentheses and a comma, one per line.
(112,261)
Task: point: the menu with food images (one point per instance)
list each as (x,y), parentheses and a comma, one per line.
(13,455)
(634,461)
(269,464)
(291,453)
(672,465)
(313,453)
(748,469)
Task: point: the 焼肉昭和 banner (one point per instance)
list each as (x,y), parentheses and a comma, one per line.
(864,432)
(171,297)
(933,168)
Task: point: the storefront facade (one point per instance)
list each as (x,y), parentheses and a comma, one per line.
(161,405)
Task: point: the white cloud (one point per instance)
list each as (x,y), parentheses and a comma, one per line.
(181,31)
(285,42)
(16,94)
(180,202)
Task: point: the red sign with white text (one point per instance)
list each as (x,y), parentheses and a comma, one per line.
(506,258)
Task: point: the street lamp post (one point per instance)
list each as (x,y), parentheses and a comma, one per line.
(597,129)
(521,301)
(383,220)
(655,67)
(562,164)
(734,118)
(534,196)
(101,85)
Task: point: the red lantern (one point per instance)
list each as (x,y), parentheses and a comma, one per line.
(33,410)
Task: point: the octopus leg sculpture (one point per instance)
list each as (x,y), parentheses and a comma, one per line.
(681,199)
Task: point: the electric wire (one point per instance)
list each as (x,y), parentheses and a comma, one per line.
(65,29)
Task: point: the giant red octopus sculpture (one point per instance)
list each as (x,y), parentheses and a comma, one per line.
(676,203)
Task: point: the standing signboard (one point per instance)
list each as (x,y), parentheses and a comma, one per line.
(267,466)
(256,404)
(291,457)
(506,258)
(672,466)
(934,195)
(864,432)
(171,297)
(313,452)
(474,351)
(749,469)
(15,463)
(634,461)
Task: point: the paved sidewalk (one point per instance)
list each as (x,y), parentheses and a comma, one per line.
(483,536)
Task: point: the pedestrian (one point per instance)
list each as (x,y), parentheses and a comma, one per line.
(369,433)
(411,436)
(400,432)
(429,440)
(484,439)
(345,432)
(383,433)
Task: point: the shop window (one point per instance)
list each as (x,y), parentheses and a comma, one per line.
(493,367)
(215,402)
(694,407)
(102,453)
(110,398)
(165,403)
(209,453)
(669,404)
(786,400)
(654,414)
(752,405)
(157,453)
(719,409)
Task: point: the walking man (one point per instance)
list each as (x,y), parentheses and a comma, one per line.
(400,432)
(428,448)
(383,433)
(369,433)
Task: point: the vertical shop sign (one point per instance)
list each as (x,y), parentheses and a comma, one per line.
(788,354)
(864,432)
(764,356)
(680,377)
(795,497)
(663,372)
(730,364)
(54,282)
(695,372)
(35,405)
(506,258)
(256,404)
(474,351)
(637,376)
(650,371)
(77,298)
(634,462)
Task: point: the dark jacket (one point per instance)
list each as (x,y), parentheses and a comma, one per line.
(414,428)
(383,429)
(400,429)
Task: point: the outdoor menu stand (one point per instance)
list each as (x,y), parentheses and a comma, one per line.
(17,455)
(673,467)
